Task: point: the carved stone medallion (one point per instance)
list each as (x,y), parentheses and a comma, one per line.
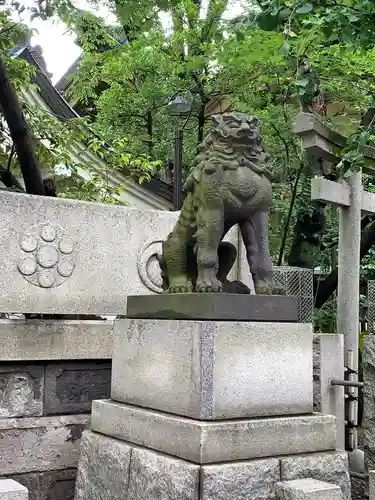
(47,255)
(148,266)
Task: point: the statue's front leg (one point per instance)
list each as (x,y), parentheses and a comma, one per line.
(210,231)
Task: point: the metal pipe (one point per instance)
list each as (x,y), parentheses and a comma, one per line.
(347,383)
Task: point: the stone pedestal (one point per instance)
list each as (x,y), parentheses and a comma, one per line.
(307,489)
(213,370)
(208,410)
(10,490)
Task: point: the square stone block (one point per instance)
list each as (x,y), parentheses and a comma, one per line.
(21,390)
(49,340)
(10,490)
(214,370)
(307,489)
(103,469)
(113,469)
(159,477)
(49,485)
(71,387)
(330,467)
(40,444)
(251,480)
(212,442)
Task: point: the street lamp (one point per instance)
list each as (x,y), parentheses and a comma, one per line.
(180,107)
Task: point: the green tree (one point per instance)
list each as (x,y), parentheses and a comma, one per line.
(51,139)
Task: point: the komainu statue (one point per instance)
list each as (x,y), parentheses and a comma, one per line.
(229,184)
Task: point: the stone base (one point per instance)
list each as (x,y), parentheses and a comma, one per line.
(110,468)
(330,467)
(214,306)
(307,489)
(40,444)
(49,485)
(213,370)
(211,442)
(10,490)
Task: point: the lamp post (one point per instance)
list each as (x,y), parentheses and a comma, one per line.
(180,107)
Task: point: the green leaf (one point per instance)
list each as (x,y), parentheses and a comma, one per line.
(302,83)
(305,9)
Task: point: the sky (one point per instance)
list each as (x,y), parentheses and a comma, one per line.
(59,49)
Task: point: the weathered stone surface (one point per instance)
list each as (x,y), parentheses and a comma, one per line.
(206,370)
(307,489)
(330,467)
(240,481)
(21,390)
(211,442)
(53,241)
(54,485)
(40,444)
(37,340)
(109,468)
(214,306)
(328,364)
(71,387)
(10,490)
(103,470)
(369,401)
(161,478)
(371,474)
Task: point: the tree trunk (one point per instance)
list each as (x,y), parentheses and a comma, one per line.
(11,109)
(8,179)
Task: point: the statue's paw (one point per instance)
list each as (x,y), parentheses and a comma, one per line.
(209,286)
(263,288)
(278,290)
(181,288)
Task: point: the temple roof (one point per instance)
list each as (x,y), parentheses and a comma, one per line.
(63,111)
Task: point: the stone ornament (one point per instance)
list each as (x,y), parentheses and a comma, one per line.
(47,255)
(148,265)
(229,184)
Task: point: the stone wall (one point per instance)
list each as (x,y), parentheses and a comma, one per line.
(50,371)
(69,257)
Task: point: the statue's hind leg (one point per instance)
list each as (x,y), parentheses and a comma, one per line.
(175,256)
(255,237)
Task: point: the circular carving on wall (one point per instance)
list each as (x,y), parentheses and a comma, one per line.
(48,233)
(27,266)
(28,243)
(47,255)
(66,245)
(148,266)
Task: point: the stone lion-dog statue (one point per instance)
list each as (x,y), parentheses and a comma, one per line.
(229,184)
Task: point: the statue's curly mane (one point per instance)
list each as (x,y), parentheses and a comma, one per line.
(234,141)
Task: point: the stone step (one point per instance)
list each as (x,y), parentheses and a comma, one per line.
(11,490)
(307,489)
(210,442)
